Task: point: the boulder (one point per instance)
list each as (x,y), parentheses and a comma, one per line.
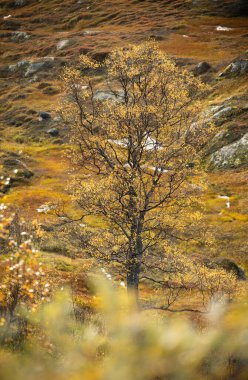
(14,172)
(28,68)
(17,169)
(232,155)
(226,137)
(19,36)
(91,32)
(201,68)
(43,64)
(108,95)
(222,114)
(33,67)
(21,65)
(231,266)
(53,132)
(236,68)
(63,44)
(45,208)
(227,264)
(20,3)
(44,115)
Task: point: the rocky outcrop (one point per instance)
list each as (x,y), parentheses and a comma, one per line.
(221,113)
(236,68)
(109,95)
(28,68)
(19,36)
(226,137)
(232,155)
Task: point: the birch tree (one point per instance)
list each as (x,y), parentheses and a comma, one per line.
(136,143)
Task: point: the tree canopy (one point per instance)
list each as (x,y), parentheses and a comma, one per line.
(136,142)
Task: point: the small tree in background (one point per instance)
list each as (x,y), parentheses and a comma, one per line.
(136,145)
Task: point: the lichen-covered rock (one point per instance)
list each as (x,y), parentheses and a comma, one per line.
(34,67)
(226,137)
(239,67)
(232,155)
(21,65)
(28,68)
(222,114)
(19,36)
(108,95)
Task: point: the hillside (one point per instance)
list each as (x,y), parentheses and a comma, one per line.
(38,38)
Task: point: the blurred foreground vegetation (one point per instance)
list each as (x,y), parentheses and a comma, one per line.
(119,342)
(46,334)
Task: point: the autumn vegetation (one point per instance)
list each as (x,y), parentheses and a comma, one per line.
(135,221)
(137,161)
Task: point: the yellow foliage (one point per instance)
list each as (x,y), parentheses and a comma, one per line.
(136,151)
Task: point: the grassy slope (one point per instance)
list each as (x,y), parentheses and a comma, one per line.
(183,32)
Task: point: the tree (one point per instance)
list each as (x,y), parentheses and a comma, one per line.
(136,144)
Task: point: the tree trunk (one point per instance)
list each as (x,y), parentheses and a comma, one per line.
(134,265)
(135,249)
(133,278)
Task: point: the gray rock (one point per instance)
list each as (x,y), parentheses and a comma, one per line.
(44,63)
(20,3)
(19,36)
(63,44)
(34,67)
(21,65)
(44,115)
(17,170)
(29,68)
(53,132)
(223,114)
(232,155)
(91,32)
(239,67)
(108,95)
(225,137)
(201,68)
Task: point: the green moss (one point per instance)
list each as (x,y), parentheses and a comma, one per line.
(64,266)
